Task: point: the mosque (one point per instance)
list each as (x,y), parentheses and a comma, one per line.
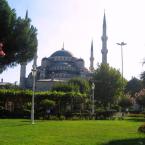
(61,66)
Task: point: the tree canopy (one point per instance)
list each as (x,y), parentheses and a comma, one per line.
(18,36)
(65,87)
(140,97)
(133,86)
(81,83)
(142,77)
(108,84)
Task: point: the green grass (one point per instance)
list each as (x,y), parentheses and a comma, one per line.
(115,132)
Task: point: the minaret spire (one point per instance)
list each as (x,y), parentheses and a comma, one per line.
(26,16)
(104,42)
(92,58)
(63,46)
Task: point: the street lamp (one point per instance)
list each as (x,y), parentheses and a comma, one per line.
(122,44)
(93,87)
(33,95)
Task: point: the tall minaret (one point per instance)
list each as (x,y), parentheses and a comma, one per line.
(92,58)
(23,67)
(104,42)
(22,75)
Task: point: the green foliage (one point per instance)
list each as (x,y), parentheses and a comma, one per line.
(140,97)
(63,87)
(27,107)
(14,93)
(103,114)
(7,20)
(125,101)
(18,36)
(47,103)
(57,102)
(52,95)
(25,41)
(81,83)
(133,86)
(136,115)
(44,108)
(142,77)
(141,129)
(108,84)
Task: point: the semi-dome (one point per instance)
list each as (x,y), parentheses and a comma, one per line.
(62,53)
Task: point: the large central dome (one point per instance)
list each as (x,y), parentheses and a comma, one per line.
(62,53)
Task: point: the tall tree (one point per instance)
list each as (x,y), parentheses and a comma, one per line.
(133,86)
(18,36)
(108,84)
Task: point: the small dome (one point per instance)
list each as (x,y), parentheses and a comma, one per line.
(62,53)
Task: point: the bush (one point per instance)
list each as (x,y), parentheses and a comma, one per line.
(102,114)
(62,117)
(136,115)
(53,117)
(141,129)
(75,118)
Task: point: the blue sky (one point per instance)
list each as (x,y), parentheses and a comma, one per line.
(77,22)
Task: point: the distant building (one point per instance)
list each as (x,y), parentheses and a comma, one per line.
(62,66)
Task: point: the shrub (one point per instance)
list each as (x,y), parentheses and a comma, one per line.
(102,114)
(75,118)
(62,117)
(53,117)
(141,129)
(136,115)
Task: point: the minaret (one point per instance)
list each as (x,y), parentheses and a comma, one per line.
(92,58)
(104,42)
(26,16)
(22,75)
(63,46)
(35,60)
(23,67)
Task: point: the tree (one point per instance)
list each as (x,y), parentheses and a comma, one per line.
(82,84)
(140,98)
(18,36)
(108,84)
(126,101)
(133,86)
(142,77)
(64,87)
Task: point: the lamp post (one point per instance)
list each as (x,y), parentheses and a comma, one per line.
(122,44)
(34,70)
(93,107)
(33,95)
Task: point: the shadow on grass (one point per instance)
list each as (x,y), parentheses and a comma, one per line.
(135,119)
(25,120)
(136,141)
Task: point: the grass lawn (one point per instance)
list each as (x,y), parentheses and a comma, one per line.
(115,132)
